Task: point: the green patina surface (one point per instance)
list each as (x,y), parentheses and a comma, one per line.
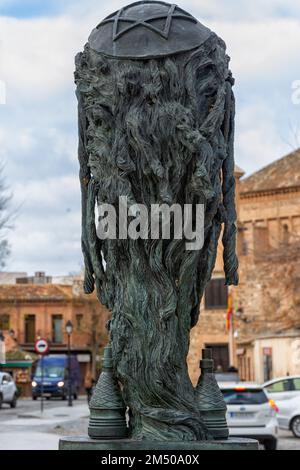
(156,131)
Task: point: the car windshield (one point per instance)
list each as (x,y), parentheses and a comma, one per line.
(50,371)
(245,397)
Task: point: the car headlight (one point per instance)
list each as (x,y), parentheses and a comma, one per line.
(61,384)
(33,384)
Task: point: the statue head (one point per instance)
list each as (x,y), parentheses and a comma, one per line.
(147,30)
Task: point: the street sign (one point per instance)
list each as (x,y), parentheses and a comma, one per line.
(267,351)
(41,346)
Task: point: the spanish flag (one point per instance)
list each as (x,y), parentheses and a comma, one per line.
(229,311)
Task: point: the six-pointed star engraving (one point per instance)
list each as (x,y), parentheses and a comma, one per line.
(134,22)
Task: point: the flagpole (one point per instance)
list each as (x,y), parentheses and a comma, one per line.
(230,327)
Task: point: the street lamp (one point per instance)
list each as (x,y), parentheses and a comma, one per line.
(2,349)
(69,330)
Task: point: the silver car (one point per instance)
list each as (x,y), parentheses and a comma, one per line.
(286,392)
(8,390)
(250,413)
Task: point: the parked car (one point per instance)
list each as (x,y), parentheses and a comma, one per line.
(283,388)
(8,390)
(52,378)
(250,413)
(286,392)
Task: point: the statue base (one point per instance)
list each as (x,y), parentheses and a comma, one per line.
(85,443)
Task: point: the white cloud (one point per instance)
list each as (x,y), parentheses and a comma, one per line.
(38,54)
(46,233)
(262,50)
(218,9)
(232,10)
(43,195)
(35,152)
(258,140)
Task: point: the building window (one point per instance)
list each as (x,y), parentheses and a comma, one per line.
(57,328)
(30,329)
(261,240)
(216,294)
(285,234)
(245,249)
(268,363)
(4,322)
(79,319)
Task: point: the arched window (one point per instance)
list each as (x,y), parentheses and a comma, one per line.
(285,234)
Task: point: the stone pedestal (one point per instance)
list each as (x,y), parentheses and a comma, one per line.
(85,443)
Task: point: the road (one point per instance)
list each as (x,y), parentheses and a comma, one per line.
(287,441)
(25,428)
(27,405)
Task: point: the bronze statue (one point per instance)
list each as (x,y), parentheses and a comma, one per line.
(156,125)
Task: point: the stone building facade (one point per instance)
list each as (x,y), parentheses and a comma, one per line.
(30,311)
(268,320)
(211,329)
(265,339)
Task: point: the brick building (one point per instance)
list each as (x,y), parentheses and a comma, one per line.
(29,311)
(265,340)
(268,320)
(211,330)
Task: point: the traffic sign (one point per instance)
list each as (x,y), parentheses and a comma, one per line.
(41,346)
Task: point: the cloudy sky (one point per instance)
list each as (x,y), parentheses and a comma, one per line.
(38,136)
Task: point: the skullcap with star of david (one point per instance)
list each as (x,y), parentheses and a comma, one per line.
(148,29)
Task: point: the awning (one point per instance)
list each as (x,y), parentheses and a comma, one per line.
(17,364)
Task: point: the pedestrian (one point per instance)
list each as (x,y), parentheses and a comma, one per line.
(88,384)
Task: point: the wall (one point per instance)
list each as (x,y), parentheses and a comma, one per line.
(211,326)
(285,356)
(67,301)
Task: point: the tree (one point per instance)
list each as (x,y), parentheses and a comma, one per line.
(5,218)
